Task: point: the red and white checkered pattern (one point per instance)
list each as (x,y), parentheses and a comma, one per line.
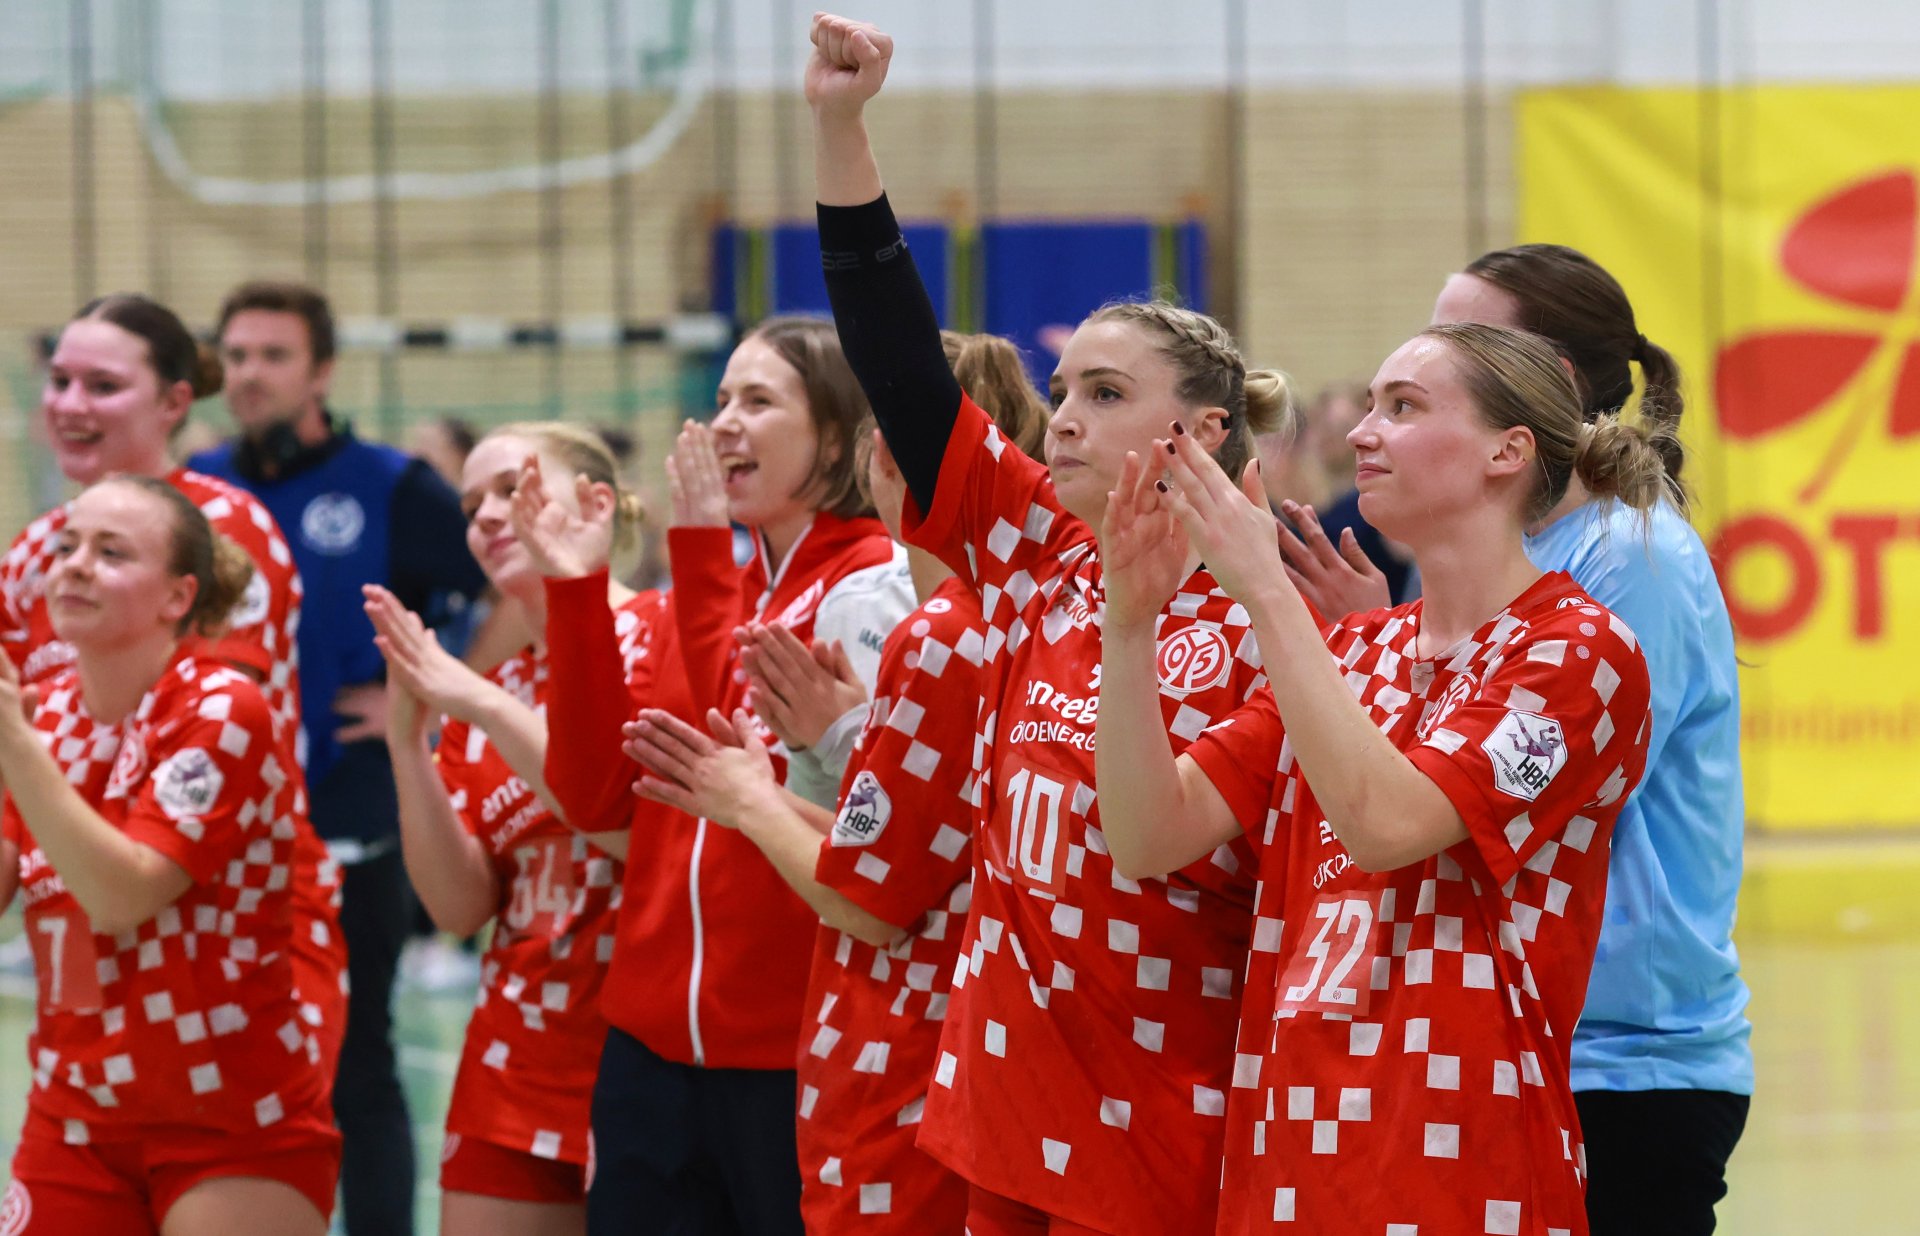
(1405,1068)
(1089,1038)
(533,1044)
(902,850)
(194,1019)
(262,640)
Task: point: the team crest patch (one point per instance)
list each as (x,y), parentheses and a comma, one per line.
(1458,692)
(1527,751)
(802,606)
(866,812)
(332,523)
(129,765)
(188,783)
(1194,659)
(253,603)
(16,1210)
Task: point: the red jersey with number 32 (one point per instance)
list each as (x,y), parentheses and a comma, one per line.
(533,1044)
(1411,1064)
(901,849)
(189,1018)
(1090,1036)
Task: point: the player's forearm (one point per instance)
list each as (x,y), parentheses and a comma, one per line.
(118,881)
(1144,814)
(447,864)
(9,873)
(845,172)
(586,771)
(793,847)
(1386,812)
(520,735)
(891,337)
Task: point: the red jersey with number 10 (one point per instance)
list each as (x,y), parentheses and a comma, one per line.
(1409,1068)
(1090,1036)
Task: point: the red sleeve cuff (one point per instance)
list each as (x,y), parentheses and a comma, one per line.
(1484,828)
(203,862)
(575,597)
(1246,786)
(940,530)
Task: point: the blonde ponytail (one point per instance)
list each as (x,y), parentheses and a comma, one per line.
(1627,462)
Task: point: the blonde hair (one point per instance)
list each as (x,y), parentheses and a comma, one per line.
(1515,378)
(1212,374)
(990,370)
(584,453)
(221,570)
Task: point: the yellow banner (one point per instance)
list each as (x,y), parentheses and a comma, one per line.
(1767,238)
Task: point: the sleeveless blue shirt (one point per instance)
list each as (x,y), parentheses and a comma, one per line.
(337,516)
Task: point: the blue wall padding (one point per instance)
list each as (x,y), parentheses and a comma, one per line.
(1053,274)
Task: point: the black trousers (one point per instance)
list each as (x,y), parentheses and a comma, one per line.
(1657,1159)
(376,1154)
(686,1151)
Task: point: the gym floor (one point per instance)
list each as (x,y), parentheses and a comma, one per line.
(1832,1145)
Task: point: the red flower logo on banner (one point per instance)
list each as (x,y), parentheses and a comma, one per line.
(1855,247)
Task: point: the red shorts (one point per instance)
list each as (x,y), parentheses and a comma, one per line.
(469,1165)
(990,1214)
(129,1186)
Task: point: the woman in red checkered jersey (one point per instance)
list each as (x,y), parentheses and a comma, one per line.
(150,825)
(121,378)
(1089,1036)
(1433,802)
(484,844)
(889,870)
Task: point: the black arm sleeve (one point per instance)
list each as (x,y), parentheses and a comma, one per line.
(428,561)
(891,337)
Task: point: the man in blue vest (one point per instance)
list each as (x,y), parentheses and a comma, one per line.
(354,513)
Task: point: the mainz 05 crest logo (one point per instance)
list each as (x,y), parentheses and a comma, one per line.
(1194,659)
(16,1210)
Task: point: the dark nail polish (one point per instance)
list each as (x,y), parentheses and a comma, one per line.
(1162,487)
(1170,448)
(1178,428)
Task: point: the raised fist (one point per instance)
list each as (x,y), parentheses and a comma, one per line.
(848,65)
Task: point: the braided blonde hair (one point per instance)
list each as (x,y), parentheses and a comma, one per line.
(1212,374)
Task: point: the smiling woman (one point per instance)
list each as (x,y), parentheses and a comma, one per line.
(1433,789)
(1114,1060)
(155,848)
(483,844)
(710,964)
(119,384)
(120,381)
